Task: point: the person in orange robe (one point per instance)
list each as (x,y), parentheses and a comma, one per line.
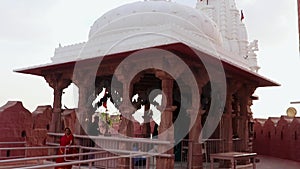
(66,140)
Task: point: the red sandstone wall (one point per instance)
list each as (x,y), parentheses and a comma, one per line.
(69,120)
(41,124)
(42,117)
(258,136)
(283,137)
(294,132)
(278,137)
(269,132)
(18,124)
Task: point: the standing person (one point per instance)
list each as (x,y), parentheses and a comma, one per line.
(66,140)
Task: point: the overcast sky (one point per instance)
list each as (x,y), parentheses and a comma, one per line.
(31,29)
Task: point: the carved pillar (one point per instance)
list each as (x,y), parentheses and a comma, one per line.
(195,146)
(244,95)
(85,83)
(166,130)
(58,83)
(251,123)
(126,125)
(236,115)
(227,128)
(242,119)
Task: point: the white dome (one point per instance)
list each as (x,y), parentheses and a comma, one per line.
(147,14)
(146,24)
(142,25)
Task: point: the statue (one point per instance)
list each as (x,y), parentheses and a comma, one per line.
(253,46)
(251,55)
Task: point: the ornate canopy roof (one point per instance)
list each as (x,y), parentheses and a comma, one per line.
(214,29)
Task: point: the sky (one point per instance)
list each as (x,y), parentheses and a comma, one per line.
(31,30)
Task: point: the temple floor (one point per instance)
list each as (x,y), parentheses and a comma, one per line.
(265,162)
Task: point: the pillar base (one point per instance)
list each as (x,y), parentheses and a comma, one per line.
(123,163)
(197,157)
(165,162)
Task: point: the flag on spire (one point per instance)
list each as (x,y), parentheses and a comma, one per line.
(242,15)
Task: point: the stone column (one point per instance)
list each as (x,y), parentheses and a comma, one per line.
(86,84)
(126,124)
(166,129)
(251,124)
(227,129)
(58,83)
(236,114)
(244,95)
(195,145)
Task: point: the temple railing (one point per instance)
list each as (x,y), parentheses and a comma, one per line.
(214,146)
(46,160)
(112,143)
(12,153)
(106,153)
(210,146)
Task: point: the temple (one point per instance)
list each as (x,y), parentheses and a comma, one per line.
(199,60)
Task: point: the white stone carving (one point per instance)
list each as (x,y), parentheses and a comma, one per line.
(251,56)
(234,33)
(214,28)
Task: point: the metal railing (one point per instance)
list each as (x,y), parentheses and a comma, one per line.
(39,160)
(107,152)
(112,143)
(11,153)
(210,146)
(215,145)
(13,142)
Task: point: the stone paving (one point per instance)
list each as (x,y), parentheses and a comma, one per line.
(267,162)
